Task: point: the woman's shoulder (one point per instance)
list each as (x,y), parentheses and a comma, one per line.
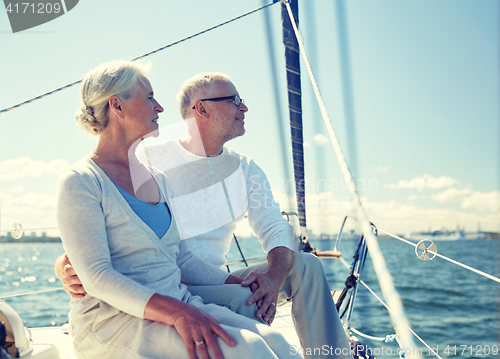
(81,173)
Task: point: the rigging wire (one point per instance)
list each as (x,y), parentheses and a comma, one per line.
(7,109)
(345,264)
(489,276)
(385,279)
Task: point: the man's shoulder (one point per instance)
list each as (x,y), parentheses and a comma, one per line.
(243,158)
(247,163)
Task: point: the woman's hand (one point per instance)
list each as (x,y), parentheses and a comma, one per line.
(196,328)
(67,275)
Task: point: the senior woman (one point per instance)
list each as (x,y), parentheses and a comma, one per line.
(123,242)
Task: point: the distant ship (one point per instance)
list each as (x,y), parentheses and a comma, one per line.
(438,234)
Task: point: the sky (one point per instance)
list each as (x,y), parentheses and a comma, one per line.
(424,87)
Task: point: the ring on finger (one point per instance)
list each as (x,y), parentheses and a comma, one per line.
(199,343)
(272,303)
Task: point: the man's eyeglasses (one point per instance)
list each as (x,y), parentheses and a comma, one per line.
(236,99)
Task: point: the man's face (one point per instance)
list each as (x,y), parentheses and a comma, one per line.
(228,119)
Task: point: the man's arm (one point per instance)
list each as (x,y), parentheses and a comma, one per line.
(67,275)
(73,286)
(276,235)
(280,261)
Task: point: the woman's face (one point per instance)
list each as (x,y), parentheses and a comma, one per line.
(141,110)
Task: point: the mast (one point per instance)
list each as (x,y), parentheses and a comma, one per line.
(292,62)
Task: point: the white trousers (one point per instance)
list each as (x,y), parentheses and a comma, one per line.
(104,332)
(314,314)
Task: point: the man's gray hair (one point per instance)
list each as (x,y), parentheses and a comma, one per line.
(199,86)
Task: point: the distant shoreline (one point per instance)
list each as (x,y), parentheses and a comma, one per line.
(30,239)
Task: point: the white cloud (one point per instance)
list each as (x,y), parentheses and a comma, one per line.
(325,212)
(16,190)
(382,169)
(306,144)
(481,201)
(32,210)
(397,217)
(320,139)
(424,181)
(451,194)
(24,166)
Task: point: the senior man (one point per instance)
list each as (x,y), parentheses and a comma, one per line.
(211,189)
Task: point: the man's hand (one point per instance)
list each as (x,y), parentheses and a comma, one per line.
(265,296)
(280,260)
(67,275)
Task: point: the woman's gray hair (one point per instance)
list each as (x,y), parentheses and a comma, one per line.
(198,86)
(115,78)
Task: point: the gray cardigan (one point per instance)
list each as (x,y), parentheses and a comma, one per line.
(119,258)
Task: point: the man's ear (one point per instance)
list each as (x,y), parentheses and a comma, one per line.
(116,106)
(200,109)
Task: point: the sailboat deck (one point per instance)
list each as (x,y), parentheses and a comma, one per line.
(47,339)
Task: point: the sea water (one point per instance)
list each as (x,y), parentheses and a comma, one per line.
(452,309)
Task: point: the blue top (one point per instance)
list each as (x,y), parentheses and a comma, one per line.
(157,216)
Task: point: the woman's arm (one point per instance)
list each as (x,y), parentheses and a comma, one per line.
(83,230)
(82,227)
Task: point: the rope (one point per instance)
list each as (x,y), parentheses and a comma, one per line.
(385,279)
(139,57)
(346,265)
(390,311)
(386,339)
(28,293)
(489,276)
